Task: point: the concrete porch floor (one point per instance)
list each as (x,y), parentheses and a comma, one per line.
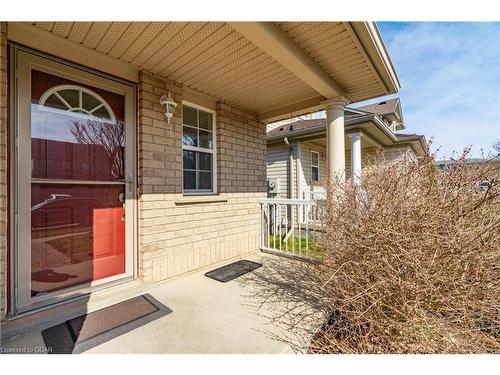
(208,317)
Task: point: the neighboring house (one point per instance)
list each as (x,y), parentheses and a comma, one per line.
(296,151)
(136,151)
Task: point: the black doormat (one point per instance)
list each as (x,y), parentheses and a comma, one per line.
(89,330)
(233,270)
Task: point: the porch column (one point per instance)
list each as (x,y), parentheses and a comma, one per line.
(335,137)
(355,157)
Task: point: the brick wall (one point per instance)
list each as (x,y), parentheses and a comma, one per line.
(174,237)
(3,165)
(241,148)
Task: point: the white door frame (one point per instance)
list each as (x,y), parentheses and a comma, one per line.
(21,177)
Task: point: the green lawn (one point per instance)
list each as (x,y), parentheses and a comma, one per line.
(300,246)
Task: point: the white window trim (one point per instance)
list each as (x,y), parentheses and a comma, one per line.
(212,151)
(315,166)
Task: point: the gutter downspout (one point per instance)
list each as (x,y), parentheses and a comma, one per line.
(290,166)
(289,143)
(298,168)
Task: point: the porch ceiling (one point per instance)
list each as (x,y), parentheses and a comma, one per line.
(215,59)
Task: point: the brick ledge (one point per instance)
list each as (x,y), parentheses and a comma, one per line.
(194,199)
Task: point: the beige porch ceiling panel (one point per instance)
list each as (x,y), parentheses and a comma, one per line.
(214,59)
(335,48)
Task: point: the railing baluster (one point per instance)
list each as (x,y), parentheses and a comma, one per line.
(274,227)
(286,229)
(298,215)
(280,227)
(293,230)
(262,232)
(269,224)
(306,209)
(300,232)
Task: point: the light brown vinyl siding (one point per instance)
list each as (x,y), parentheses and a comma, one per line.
(305,173)
(393,153)
(278,159)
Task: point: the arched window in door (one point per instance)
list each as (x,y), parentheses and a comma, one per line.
(77,99)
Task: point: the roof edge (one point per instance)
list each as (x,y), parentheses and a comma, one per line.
(420,138)
(369,35)
(355,121)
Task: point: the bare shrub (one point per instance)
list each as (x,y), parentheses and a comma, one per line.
(412,260)
(411,265)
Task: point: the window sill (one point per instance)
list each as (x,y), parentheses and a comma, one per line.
(194,199)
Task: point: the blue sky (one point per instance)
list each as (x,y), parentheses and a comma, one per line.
(450,78)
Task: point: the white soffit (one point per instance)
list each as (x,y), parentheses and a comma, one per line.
(214,59)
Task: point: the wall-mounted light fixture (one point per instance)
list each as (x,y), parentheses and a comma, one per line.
(169,104)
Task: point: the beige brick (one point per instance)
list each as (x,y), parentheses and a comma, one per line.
(176,239)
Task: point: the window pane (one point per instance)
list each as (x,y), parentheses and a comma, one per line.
(314,158)
(189,158)
(205,180)
(102,113)
(54,102)
(205,161)
(189,136)
(71,145)
(206,139)
(71,96)
(205,120)
(189,180)
(315,174)
(89,102)
(189,116)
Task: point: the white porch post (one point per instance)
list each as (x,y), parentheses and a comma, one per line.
(335,137)
(355,157)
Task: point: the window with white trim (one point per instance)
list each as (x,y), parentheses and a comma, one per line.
(314,166)
(198,150)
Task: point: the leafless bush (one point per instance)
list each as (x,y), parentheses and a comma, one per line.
(411,265)
(412,260)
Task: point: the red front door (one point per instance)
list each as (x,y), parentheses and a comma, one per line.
(77,183)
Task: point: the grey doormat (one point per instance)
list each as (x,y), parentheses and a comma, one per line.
(89,330)
(233,270)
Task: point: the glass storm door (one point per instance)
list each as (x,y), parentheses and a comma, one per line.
(75,180)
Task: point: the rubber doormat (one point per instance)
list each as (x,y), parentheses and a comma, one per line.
(233,270)
(89,330)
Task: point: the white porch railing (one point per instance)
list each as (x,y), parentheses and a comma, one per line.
(291,227)
(314,216)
